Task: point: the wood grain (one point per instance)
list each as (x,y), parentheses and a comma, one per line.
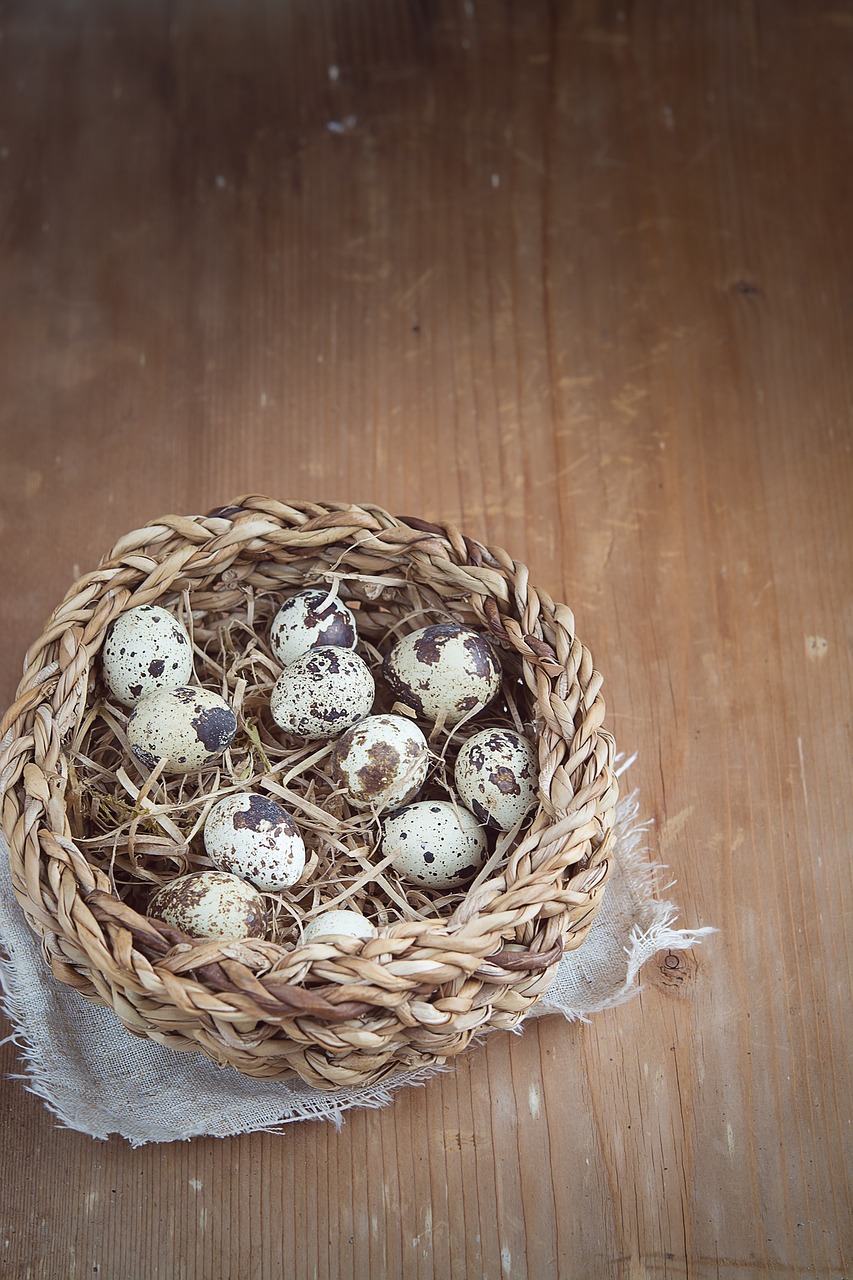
(577,276)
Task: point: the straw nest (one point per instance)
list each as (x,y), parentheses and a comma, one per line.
(92,833)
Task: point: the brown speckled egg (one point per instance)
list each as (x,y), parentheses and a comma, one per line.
(187,728)
(306,621)
(145,649)
(251,836)
(323,693)
(434,843)
(211,904)
(381,762)
(446,670)
(496,776)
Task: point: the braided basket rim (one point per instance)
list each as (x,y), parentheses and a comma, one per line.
(417,993)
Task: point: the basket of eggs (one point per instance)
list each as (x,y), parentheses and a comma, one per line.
(312,789)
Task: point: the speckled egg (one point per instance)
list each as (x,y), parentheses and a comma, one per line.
(496,776)
(211,904)
(187,728)
(323,693)
(146,649)
(306,621)
(445,670)
(347,924)
(253,837)
(434,843)
(381,762)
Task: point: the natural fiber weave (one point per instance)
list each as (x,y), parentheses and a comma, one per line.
(336,1014)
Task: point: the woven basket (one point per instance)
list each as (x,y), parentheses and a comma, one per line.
(345,1013)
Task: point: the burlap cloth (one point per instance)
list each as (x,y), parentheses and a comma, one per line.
(97,1078)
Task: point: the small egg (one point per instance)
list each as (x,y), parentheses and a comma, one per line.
(211,904)
(347,924)
(146,649)
(497,775)
(306,622)
(251,836)
(434,843)
(323,693)
(381,762)
(445,670)
(187,728)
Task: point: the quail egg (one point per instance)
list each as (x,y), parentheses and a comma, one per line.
(381,762)
(347,924)
(146,649)
(434,843)
(211,904)
(322,693)
(446,670)
(251,836)
(306,621)
(496,776)
(186,728)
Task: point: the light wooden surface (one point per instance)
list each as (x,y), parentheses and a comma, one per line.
(577,276)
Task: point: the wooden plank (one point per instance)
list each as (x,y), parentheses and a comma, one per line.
(576,277)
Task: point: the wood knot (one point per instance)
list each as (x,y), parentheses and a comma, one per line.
(670,969)
(746,288)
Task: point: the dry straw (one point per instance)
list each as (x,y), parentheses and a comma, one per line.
(91,833)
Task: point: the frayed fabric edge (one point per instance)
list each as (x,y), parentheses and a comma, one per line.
(373,1099)
(37,1077)
(326,1108)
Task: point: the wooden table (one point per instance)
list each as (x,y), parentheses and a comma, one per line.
(577,277)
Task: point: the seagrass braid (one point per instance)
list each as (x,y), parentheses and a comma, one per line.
(336,1014)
